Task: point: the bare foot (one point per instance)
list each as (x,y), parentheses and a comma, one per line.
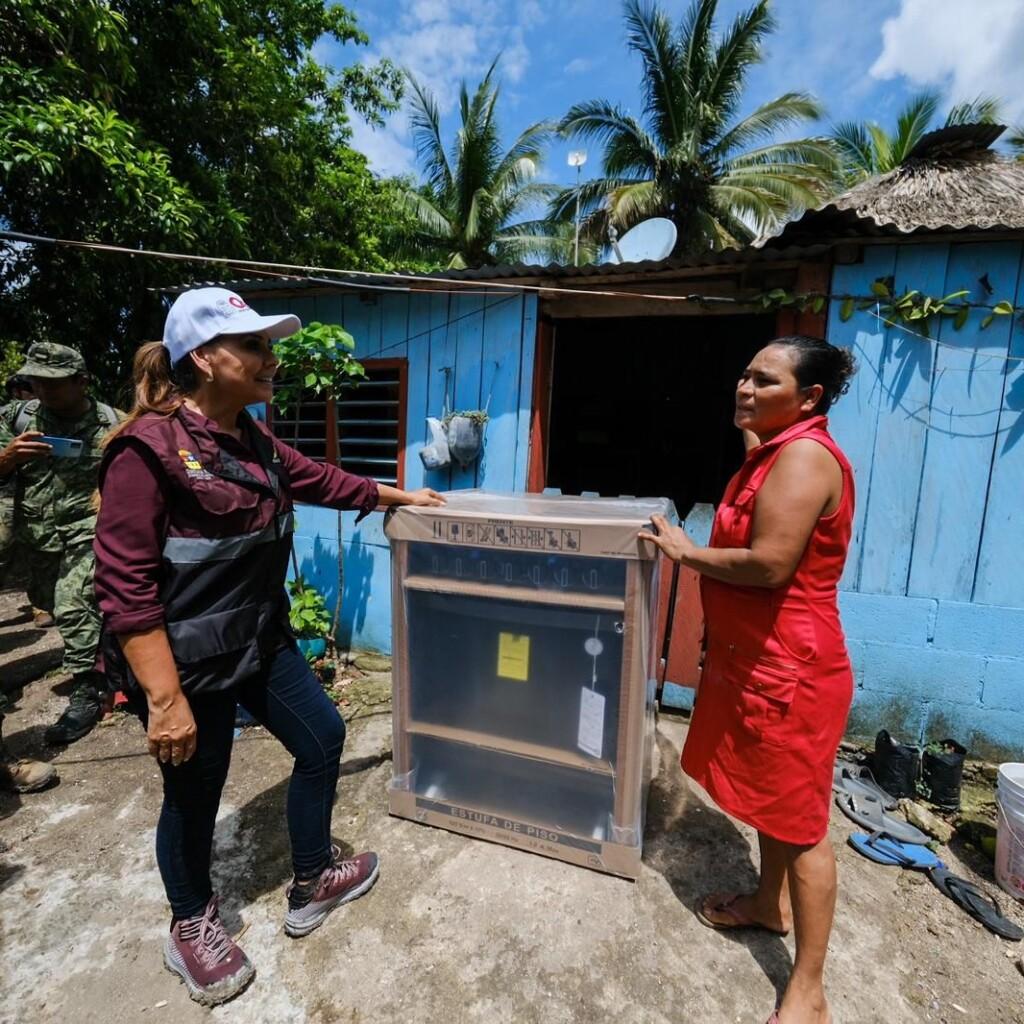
(738,910)
(804,1006)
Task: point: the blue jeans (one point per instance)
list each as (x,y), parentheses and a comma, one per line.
(290,702)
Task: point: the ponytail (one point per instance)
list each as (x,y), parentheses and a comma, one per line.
(159,387)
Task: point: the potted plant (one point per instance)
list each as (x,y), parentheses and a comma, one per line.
(309,619)
(465,431)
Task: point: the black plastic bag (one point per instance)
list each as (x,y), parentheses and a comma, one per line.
(896,766)
(943,774)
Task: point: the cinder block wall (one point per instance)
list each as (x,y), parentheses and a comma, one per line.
(927,668)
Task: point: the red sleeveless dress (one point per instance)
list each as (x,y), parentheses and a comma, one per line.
(777,684)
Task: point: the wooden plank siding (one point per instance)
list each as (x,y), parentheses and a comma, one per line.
(499,376)
(904,385)
(418,353)
(854,419)
(934,429)
(999,578)
(468,370)
(963,417)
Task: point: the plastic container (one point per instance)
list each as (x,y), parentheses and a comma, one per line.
(1009,865)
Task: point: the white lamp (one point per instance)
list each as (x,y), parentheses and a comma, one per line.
(577,158)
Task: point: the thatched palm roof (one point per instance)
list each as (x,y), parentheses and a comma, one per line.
(951,181)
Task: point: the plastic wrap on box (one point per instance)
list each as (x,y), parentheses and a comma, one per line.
(523,664)
(403,782)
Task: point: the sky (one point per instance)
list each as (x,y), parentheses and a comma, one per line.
(861,58)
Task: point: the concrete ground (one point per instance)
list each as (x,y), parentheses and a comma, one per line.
(456,929)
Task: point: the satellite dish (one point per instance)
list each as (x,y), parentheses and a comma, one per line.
(652,239)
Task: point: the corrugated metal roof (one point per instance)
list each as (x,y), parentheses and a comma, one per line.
(526,271)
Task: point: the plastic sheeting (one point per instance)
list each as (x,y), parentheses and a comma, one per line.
(524,671)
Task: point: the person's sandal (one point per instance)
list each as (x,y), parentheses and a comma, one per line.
(726,905)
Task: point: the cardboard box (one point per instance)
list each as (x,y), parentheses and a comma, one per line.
(524,671)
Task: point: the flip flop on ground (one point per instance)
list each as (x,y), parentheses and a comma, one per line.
(883,850)
(976,902)
(849,778)
(866,810)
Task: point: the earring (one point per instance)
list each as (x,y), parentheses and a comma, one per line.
(209,378)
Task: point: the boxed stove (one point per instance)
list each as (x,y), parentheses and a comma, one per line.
(524,671)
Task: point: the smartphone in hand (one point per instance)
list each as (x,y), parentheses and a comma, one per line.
(63,447)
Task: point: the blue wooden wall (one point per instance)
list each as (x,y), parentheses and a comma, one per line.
(934,601)
(933,595)
(486,345)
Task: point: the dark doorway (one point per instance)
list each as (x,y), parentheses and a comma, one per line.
(644,406)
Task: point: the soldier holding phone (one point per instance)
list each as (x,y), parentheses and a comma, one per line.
(50,447)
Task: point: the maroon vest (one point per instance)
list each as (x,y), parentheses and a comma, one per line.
(225,555)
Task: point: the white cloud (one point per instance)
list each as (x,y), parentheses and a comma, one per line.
(963,52)
(385,148)
(442,42)
(578,66)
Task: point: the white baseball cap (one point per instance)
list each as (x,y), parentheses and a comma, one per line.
(199,315)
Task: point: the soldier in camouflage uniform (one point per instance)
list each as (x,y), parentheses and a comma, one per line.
(54,516)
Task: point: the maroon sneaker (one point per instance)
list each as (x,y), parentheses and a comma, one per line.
(206,958)
(341,882)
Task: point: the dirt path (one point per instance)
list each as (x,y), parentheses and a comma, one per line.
(456,929)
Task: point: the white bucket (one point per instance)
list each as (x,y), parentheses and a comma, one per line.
(1010,833)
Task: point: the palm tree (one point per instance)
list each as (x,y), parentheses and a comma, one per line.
(720,177)
(466,211)
(868,149)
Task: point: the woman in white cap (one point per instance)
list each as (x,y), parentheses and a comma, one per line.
(192,546)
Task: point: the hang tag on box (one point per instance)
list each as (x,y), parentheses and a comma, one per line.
(590,738)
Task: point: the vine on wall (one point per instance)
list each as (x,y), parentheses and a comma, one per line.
(912,308)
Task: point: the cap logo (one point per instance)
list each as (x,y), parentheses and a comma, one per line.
(230,307)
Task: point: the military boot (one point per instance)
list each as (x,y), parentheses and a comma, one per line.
(84,710)
(22,775)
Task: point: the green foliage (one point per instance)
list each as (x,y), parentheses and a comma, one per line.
(477,416)
(12,358)
(721,177)
(1015,140)
(319,359)
(916,311)
(205,126)
(868,149)
(466,213)
(308,615)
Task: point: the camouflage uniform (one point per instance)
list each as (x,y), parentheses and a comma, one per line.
(53,509)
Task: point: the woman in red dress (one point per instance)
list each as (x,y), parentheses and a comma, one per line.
(777,683)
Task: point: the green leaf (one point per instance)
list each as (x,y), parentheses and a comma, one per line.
(818,304)
(961,318)
(310,379)
(956,295)
(880,288)
(846,309)
(1003,308)
(985,321)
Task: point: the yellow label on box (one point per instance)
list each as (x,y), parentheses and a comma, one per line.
(513,656)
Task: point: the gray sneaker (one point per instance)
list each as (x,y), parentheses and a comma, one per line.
(209,962)
(341,882)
